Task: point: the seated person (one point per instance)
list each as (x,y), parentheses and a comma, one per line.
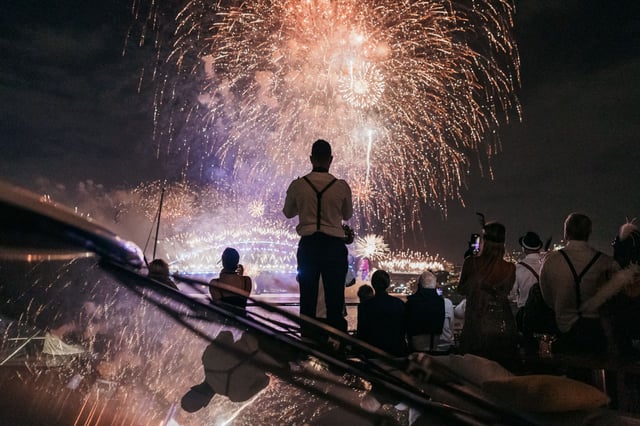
(365,292)
(232,286)
(381,319)
(429,318)
(159,271)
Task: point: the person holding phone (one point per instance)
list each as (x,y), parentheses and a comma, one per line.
(232,286)
(486,280)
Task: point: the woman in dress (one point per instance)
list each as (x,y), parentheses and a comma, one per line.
(486,279)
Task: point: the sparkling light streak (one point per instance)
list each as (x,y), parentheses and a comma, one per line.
(245,87)
(179,200)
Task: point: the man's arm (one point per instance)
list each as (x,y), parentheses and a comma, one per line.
(347,205)
(290,208)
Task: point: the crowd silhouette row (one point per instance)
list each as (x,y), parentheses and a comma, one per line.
(581,300)
(576,300)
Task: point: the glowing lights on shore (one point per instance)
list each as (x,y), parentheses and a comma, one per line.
(199,221)
(270,248)
(413,262)
(263,247)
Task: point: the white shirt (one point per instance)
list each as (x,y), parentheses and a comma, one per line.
(336,204)
(525,279)
(446,338)
(557,283)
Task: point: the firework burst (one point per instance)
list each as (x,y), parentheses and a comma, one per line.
(371,246)
(407,92)
(256,208)
(179,200)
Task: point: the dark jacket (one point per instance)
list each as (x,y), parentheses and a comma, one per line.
(425,312)
(381,323)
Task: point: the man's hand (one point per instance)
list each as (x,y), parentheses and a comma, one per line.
(349,234)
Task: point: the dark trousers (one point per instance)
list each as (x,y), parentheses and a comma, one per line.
(586,336)
(320,255)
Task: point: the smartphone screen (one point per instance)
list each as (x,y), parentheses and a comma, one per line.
(476,243)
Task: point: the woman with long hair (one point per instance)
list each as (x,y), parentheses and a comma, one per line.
(486,279)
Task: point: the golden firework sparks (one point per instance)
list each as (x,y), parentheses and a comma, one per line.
(409,93)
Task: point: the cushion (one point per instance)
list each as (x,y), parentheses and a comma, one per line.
(545,394)
(474,368)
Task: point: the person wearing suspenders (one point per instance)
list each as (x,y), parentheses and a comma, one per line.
(528,269)
(570,277)
(322,202)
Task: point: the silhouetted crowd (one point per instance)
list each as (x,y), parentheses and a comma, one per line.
(575,300)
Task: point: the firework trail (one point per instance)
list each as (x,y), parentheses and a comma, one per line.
(180,199)
(409,93)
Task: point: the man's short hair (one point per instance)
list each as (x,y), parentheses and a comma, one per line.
(321,149)
(380,280)
(365,292)
(577,226)
(427,280)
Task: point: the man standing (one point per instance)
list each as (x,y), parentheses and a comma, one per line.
(569,278)
(528,269)
(321,203)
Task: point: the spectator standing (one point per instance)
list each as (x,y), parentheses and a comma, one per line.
(486,280)
(618,300)
(569,278)
(429,318)
(528,269)
(321,203)
(381,319)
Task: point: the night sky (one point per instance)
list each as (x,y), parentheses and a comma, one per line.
(70,111)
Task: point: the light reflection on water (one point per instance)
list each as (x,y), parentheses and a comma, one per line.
(139,361)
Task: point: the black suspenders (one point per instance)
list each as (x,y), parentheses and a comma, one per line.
(533,271)
(319,196)
(577,278)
